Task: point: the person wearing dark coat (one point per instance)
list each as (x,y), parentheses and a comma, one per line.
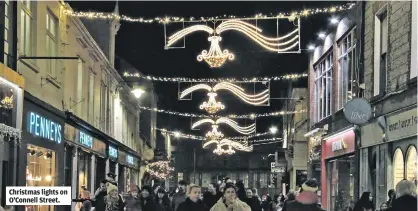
(406,199)
(162,201)
(252,201)
(147,202)
(290,197)
(211,196)
(365,203)
(180,196)
(193,201)
(241,190)
(307,200)
(132,201)
(392,196)
(98,199)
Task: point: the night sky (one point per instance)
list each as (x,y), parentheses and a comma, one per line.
(143,46)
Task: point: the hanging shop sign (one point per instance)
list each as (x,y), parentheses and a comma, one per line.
(339,144)
(113,152)
(128,160)
(76,136)
(9,95)
(85,139)
(43,127)
(357,111)
(276,168)
(402,125)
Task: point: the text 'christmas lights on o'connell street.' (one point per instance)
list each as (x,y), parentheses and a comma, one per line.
(200,80)
(171,19)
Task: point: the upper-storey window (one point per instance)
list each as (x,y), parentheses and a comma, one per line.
(414,40)
(380,51)
(51,43)
(348,76)
(26,24)
(323,87)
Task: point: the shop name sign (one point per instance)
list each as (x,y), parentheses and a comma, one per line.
(130,159)
(85,140)
(402,125)
(357,111)
(113,152)
(338,145)
(44,128)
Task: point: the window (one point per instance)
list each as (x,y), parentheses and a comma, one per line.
(51,44)
(80,88)
(6,32)
(26,28)
(411,164)
(323,88)
(380,50)
(264,179)
(398,167)
(91,98)
(414,40)
(348,75)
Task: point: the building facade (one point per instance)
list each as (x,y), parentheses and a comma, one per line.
(335,79)
(388,149)
(295,126)
(11,99)
(80,119)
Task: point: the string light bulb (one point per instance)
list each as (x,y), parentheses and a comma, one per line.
(211,106)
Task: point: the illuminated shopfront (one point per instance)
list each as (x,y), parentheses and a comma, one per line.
(128,170)
(337,178)
(43,128)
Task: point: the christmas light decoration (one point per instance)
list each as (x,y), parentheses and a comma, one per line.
(215,57)
(243,130)
(212,106)
(256,99)
(160,169)
(214,134)
(227,142)
(231,116)
(214,80)
(220,151)
(166,20)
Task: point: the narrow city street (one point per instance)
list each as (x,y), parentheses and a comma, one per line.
(208,105)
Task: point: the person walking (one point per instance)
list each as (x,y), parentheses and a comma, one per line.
(147,202)
(98,199)
(112,200)
(241,190)
(392,196)
(193,201)
(132,201)
(162,201)
(307,200)
(365,203)
(229,201)
(211,196)
(406,197)
(291,196)
(180,196)
(275,203)
(252,201)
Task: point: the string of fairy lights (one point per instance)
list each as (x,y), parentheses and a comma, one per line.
(175,19)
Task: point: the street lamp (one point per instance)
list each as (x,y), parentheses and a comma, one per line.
(137,92)
(273,130)
(176,134)
(334,21)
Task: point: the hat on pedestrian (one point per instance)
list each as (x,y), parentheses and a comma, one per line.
(311,185)
(111,175)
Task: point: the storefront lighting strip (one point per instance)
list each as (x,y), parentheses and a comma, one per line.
(339,133)
(311,132)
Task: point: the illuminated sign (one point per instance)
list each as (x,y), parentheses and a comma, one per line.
(113,152)
(7,102)
(44,128)
(129,159)
(338,145)
(85,140)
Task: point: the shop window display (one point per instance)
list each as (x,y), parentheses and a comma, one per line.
(398,165)
(40,171)
(83,172)
(411,164)
(341,174)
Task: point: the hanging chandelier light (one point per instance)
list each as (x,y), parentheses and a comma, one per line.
(212,107)
(220,151)
(214,134)
(215,57)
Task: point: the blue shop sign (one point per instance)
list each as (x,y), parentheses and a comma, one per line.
(129,159)
(44,128)
(85,140)
(113,152)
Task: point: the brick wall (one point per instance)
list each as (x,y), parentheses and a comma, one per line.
(399,46)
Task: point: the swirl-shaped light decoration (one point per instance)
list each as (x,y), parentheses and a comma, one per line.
(220,151)
(215,57)
(223,120)
(212,106)
(226,142)
(257,99)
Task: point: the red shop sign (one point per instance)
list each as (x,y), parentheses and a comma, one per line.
(339,145)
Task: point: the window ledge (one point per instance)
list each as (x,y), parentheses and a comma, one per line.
(412,81)
(30,64)
(53,81)
(376,98)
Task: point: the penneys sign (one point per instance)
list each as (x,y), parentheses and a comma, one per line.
(44,128)
(357,111)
